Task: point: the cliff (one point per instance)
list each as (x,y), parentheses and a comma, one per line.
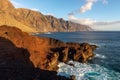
(36,57)
(34,21)
(6,5)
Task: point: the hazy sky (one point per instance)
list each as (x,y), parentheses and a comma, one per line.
(99,14)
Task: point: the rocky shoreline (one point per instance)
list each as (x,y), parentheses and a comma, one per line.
(26,57)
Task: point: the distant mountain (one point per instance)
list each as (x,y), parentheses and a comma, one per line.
(34,21)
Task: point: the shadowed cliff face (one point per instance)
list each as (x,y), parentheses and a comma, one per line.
(33,21)
(15,64)
(26,57)
(62,25)
(46,52)
(37,47)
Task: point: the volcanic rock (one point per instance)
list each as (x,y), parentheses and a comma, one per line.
(21,61)
(33,21)
(6,5)
(46,52)
(19,51)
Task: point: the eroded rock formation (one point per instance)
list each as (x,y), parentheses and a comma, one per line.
(21,50)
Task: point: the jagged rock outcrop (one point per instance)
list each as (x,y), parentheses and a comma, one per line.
(36,57)
(62,25)
(17,63)
(33,21)
(46,52)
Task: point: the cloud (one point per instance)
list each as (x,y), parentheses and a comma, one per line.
(87,6)
(107,26)
(102,26)
(87,21)
(105,1)
(81,20)
(107,23)
(16,4)
(50,14)
(90,22)
(35,9)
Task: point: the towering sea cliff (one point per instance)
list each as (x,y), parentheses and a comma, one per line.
(33,21)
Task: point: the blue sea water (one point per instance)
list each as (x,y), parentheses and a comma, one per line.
(105,65)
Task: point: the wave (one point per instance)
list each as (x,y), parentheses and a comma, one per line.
(100,56)
(87,71)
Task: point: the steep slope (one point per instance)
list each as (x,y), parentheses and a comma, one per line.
(44,23)
(7,10)
(7,19)
(34,21)
(5,5)
(62,25)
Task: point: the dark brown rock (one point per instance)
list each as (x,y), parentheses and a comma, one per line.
(14,62)
(72,77)
(50,75)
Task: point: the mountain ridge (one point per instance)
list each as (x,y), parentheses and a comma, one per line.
(33,21)
(6,5)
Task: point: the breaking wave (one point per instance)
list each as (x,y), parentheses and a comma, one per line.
(100,56)
(88,71)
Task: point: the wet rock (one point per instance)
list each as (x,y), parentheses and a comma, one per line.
(80,52)
(72,77)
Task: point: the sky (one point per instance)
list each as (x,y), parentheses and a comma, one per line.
(103,15)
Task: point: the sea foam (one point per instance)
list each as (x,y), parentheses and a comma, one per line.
(84,71)
(100,56)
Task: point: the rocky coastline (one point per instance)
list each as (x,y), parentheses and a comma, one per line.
(27,57)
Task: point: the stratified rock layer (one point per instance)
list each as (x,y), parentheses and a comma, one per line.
(33,21)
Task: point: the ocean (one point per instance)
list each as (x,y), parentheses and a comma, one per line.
(106,63)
